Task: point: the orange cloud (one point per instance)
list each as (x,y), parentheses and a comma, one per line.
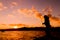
(1,4)
(32,13)
(35,13)
(13,4)
(29,12)
(54,21)
(47,10)
(11,15)
(23,11)
(26,12)
(2,7)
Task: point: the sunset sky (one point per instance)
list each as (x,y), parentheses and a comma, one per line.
(21,11)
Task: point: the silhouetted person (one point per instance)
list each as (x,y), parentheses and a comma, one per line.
(48,26)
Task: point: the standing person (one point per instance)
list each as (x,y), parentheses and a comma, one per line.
(48,26)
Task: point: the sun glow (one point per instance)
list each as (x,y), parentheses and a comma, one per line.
(15,27)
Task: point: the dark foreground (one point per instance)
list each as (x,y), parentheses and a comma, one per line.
(29,34)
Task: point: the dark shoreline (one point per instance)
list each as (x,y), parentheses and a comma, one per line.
(32,29)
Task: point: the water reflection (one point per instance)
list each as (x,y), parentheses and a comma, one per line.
(21,35)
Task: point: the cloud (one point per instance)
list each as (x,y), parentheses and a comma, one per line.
(29,12)
(9,19)
(2,7)
(23,11)
(16,17)
(54,21)
(1,4)
(13,4)
(47,10)
(26,12)
(36,12)
(10,16)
